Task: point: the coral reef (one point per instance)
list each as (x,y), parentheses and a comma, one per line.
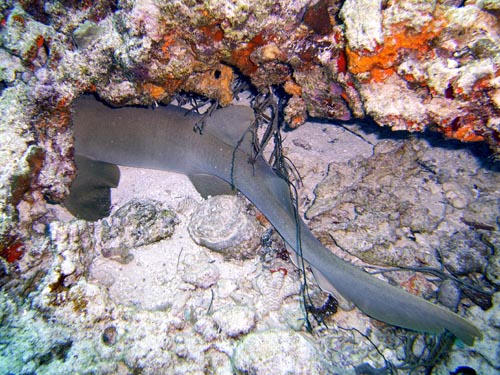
(130,294)
(440,59)
(417,200)
(409,65)
(402,208)
(176,306)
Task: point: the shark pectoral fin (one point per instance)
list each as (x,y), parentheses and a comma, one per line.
(231,124)
(209,185)
(90,195)
(323,283)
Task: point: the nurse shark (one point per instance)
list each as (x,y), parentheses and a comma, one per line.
(218,160)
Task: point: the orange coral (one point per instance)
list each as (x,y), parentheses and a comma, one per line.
(468,134)
(464,129)
(380,64)
(292,88)
(39,41)
(341,63)
(63,104)
(417,285)
(168,40)
(213,32)
(241,56)
(380,75)
(17,18)
(261,218)
(32,52)
(213,84)
(296,121)
(156,92)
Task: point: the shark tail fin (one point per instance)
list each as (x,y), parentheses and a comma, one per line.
(90,194)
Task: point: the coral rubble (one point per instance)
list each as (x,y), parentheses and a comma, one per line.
(408,65)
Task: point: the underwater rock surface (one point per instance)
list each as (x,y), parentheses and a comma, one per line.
(221,224)
(131,294)
(177,306)
(276,352)
(417,198)
(137,223)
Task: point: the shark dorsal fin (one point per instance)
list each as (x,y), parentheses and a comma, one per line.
(231,125)
(90,195)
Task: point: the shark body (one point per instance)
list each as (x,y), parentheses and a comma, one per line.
(164,139)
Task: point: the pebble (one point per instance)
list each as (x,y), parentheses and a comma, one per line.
(458,195)
(235,320)
(137,223)
(449,294)
(463,253)
(222,224)
(200,272)
(207,328)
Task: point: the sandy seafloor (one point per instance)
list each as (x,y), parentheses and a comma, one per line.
(175,307)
